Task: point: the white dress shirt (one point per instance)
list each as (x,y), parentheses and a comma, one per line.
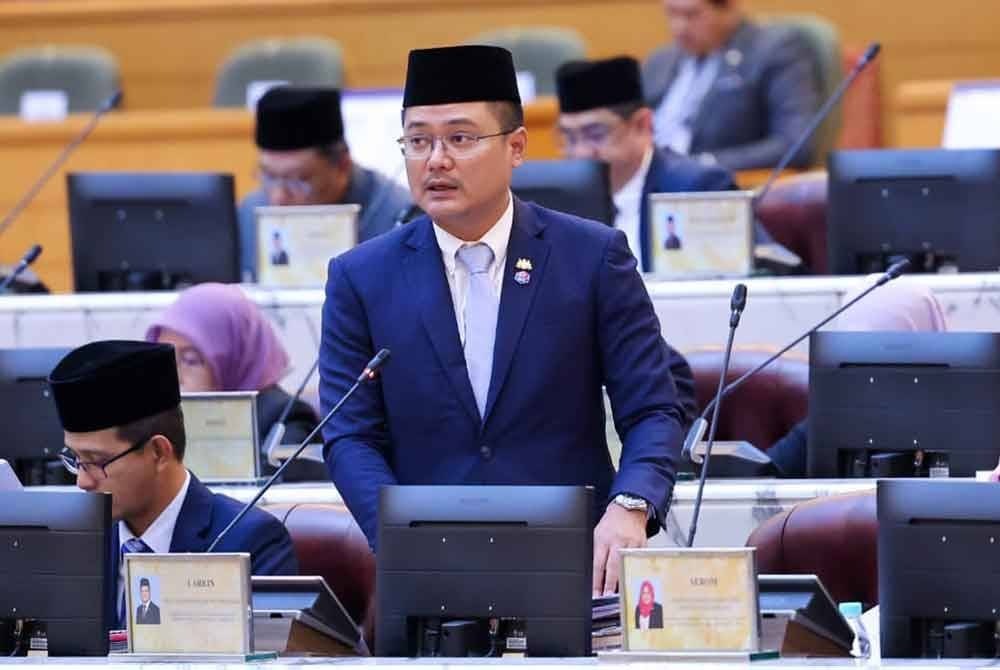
(628,205)
(674,118)
(496,238)
(643,622)
(158,536)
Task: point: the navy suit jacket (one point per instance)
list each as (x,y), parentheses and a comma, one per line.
(203,516)
(583,319)
(670,172)
(763,98)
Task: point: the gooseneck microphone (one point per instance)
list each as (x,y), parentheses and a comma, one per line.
(277,431)
(26,199)
(697,429)
(870,53)
(736,304)
(33,253)
(369,373)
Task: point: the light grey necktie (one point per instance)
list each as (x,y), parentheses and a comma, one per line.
(481,307)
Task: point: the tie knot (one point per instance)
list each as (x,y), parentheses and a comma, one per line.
(136,546)
(476,257)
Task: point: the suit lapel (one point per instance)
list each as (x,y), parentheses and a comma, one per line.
(737,43)
(516,299)
(426,274)
(194,520)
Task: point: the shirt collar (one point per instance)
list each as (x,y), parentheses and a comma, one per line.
(496,238)
(633,187)
(160,533)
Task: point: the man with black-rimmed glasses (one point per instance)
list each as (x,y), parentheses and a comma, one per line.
(119,404)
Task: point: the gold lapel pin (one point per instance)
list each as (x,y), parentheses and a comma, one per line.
(523,264)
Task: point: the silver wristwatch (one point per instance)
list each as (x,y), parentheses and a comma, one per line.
(630,502)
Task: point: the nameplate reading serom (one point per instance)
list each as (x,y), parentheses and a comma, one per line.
(188,603)
(689,600)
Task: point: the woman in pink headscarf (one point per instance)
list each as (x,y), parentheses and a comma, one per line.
(901,305)
(224,343)
(648,612)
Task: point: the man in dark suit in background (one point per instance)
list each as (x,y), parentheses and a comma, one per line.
(505,319)
(119,405)
(304,160)
(602,115)
(729,91)
(147,611)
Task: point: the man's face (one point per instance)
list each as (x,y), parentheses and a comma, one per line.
(302,177)
(466,187)
(131,480)
(671,226)
(603,135)
(144,594)
(698,26)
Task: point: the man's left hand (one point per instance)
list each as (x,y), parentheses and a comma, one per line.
(619,528)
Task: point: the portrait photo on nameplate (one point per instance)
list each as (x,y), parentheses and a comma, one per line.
(188,603)
(295,243)
(701,235)
(689,600)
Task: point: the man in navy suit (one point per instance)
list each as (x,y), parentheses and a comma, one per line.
(729,91)
(505,319)
(602,115)
(146,612)
(119,404)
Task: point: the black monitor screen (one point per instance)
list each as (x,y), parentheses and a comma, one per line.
(938,207)
(152,231)
(32,431)
(578,187)
(902,404)
(54,553)
(938,585)
(453,559)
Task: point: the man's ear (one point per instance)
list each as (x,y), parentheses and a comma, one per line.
(518,143)
(163,450)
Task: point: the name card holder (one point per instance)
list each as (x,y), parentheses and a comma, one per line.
(689,604)
(190,605)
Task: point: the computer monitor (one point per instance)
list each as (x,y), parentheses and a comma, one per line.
(937,568)
(142,231)
(938,207)
(455,557)
(901,404)
(579,187)
(54,556)
(32,430)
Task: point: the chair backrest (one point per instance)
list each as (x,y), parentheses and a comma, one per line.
(824,42)
(300,61)
(539,50)
(835,538)
(87,75)
(763,409)
(861,111)
(329,543)
(794,213)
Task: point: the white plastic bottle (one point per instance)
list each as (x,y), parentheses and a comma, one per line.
(862,647)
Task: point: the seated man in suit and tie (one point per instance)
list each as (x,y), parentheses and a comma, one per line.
(505,320)
(728,91)
(602,115)
(304,160)
(119,404)
(147,612)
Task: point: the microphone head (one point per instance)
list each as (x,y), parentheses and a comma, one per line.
(870,53)
(739,299)
(897,268)
(377,362)
(113,101)
(33,253)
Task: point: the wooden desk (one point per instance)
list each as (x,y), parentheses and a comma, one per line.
(919,108)
(208,140)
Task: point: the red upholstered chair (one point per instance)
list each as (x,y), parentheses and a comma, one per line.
(835,538)
(329,543)
(794,213)
(861,110)
(764,408)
